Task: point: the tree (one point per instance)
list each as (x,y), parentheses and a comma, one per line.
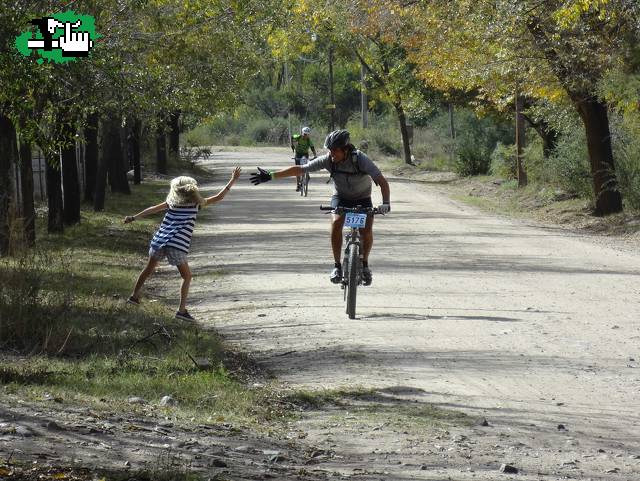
(556,50)
(28,204)
(7,159)
(69,167)
(91,155)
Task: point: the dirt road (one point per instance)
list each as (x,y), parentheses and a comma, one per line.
(534,328)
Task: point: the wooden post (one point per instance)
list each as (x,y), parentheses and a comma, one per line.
(452,133)
(364,104)
(332,125)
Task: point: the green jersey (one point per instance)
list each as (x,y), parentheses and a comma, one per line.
(302,145)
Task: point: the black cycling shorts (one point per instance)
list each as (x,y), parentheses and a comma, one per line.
(336,201)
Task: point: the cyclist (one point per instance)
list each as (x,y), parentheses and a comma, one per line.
(300,144)
(352,172)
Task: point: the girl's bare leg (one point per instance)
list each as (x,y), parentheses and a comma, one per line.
(146,272)
(185,272)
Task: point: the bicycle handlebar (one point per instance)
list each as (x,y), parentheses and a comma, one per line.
(343,210)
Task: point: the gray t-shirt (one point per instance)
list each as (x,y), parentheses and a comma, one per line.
(351,177)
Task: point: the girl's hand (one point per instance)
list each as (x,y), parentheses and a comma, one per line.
(236,174)
(128,219)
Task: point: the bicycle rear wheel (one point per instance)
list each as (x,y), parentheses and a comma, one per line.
(352,280)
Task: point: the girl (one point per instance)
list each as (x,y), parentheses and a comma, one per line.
(173,238)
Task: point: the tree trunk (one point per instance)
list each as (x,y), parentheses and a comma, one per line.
(452,133)
(161,150)
(520,140)
(332,98)
(70,180)
(28,204)
(402,118)
(605,185)
(174,135)
(91,156)
(112,150)
(55,222)
(364,103)
(101,168)
(7,156)
(134,145)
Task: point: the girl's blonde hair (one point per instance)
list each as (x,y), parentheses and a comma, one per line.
(184,191)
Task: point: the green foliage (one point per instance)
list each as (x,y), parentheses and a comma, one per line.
(268,131)
(569,164)
(245,127)
(503,161)
(626,143)
(537,166)
(477,138)
(382,136)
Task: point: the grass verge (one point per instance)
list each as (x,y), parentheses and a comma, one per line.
(539,202)
(67,334)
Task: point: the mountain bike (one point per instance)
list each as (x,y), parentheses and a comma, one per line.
(303,182)
(355,219)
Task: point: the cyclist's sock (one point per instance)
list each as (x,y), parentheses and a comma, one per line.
(338,265)
(365,264)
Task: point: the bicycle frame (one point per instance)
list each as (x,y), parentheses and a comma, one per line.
(351,261)
(302,182)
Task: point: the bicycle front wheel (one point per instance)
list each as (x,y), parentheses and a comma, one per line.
(352,280)
(307,177)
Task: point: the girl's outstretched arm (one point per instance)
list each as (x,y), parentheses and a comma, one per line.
(148,211)
(220,195)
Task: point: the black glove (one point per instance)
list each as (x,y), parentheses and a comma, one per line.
(260,177)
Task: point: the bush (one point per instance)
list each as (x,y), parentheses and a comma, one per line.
(503,161)
(34,309)
(471,160)
(626,144)
(383,134)
(569,165)
(477,139)
(537,166)
(267,131)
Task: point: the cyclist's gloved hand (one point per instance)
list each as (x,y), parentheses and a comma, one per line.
(260,177)
(384,208)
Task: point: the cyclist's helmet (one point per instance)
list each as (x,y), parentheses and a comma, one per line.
(337,139)
(306,130)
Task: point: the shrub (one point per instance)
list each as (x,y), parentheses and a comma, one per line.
(503,161)
(537,166)
(267,131)
(626,144)
(477,139)
(34,310)
(569,165)
(383,134)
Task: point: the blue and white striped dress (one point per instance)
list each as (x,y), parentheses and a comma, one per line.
(176,229)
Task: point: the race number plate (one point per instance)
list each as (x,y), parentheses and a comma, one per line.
(357,221)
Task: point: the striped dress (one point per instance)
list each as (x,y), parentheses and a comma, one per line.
(176,228)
